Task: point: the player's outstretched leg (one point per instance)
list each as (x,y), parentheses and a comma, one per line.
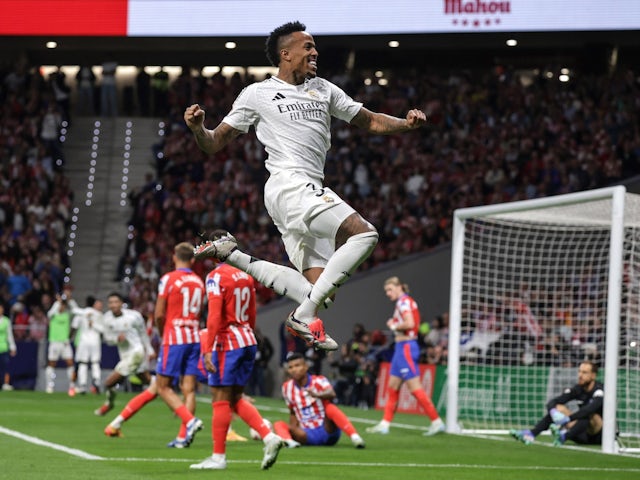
(282,430)
(338,269)
(338,417)
(283,280)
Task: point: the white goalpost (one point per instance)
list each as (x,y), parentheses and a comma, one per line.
(537,287)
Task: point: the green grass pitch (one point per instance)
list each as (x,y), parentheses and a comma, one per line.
(56,437)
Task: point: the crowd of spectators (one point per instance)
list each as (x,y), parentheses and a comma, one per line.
(493,136)
(559,327)
(35,195)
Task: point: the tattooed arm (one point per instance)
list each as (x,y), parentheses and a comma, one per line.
(209,141)
(386,124)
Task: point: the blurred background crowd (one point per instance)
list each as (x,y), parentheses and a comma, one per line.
(494,135)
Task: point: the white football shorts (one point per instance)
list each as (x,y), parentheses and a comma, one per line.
(131,363)
(59,350)
(88,352)
(307,215)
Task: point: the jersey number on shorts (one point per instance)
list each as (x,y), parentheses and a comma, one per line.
(318,192)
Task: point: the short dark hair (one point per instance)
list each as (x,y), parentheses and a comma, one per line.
(90,300)
(272,48)
(594,366)
(291,356)
(116,294)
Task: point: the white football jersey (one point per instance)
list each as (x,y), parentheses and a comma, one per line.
(88,322)
(292,121)
(133,326)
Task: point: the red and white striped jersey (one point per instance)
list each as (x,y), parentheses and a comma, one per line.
(308,410)
(407,304)
(204,338)
(184,293)
(232,309)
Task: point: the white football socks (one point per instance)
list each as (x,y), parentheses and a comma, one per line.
(50,375)
(117,422)
(82,374)
(283,280)
(339,268)
(292,284)
(96,373)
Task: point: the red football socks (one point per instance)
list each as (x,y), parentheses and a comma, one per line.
(426,403)
(220,425)
(136,403)
(282,430)
(392,403)
(250,415)
(339,418)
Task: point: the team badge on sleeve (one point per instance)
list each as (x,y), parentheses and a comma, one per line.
(213,284)
(162,284)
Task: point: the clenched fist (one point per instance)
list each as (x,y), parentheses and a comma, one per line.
(194,117)
(416,118)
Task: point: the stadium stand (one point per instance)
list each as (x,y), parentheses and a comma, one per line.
(35,204)
(495,136)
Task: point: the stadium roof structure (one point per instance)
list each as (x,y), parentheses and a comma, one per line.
(371,51)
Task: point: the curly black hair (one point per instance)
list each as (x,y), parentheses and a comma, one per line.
(271,47)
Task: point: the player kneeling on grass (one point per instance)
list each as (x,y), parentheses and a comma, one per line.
(582,426)
(314,419)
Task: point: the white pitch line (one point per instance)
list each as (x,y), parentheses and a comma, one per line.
(43,443)
(82,454)
(400,465)
(498,435)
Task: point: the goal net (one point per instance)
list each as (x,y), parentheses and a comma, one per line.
(537,287)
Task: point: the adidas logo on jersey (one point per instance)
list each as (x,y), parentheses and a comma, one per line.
(278,96)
